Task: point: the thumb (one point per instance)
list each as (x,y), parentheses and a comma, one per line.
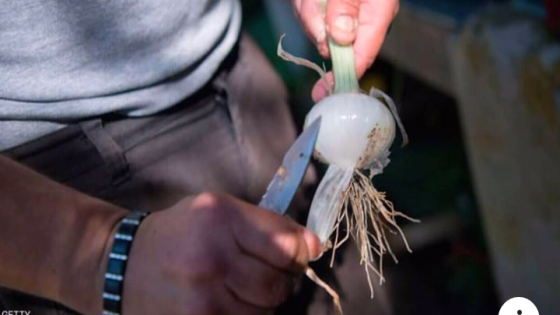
(313,244)
(342,20)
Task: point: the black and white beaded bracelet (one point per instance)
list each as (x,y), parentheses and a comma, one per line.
(118,258)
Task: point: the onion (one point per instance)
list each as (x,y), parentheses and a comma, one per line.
(356,133)
(357,130)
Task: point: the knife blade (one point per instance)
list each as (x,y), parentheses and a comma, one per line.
(289,175)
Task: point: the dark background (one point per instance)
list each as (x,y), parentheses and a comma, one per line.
(451,269)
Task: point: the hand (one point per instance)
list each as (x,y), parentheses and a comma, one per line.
(363,23)
(214,255)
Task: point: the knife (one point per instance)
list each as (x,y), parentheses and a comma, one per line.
(289,175)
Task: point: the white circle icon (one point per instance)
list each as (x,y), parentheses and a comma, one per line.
(519,306)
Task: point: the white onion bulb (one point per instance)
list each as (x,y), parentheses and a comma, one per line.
(356,130)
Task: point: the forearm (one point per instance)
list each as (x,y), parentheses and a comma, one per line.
(53,240)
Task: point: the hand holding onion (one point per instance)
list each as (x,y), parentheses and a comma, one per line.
(362,23)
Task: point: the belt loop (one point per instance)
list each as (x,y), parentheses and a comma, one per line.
(222,93)
(109,150)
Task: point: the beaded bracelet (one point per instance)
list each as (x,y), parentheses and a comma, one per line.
(118,258)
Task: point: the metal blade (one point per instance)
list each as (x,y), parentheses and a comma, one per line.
(283,186)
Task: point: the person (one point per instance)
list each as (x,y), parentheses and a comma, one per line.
(159,106)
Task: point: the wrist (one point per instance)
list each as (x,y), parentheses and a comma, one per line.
(82,287)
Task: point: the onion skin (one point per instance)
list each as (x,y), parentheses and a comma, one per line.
(356,130)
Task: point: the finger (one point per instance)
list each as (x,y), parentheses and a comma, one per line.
(276,240)
(342,20)
(321,88)
(258,283)
(374,20)
(311,14)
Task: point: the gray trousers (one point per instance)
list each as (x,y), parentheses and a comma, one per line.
(230,138)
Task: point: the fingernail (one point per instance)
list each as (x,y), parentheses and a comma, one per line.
(322,34)
(346,23)
(312,244)
(321,37)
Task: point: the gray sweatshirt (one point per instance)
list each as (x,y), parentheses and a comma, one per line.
(63,61)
